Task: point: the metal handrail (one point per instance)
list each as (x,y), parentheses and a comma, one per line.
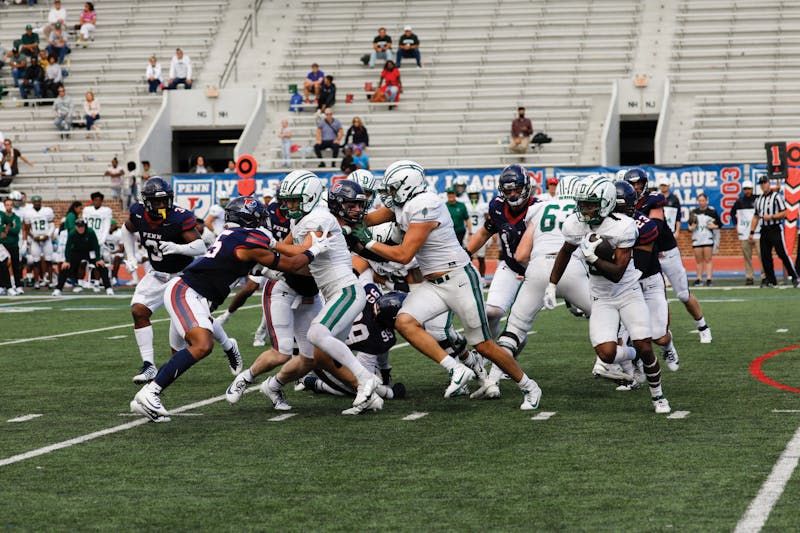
(249,30)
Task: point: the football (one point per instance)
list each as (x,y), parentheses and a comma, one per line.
(604,250)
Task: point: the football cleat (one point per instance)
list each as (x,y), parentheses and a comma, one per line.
(300,385)
(153,416)
(399,391)
(671,359)
(489,390)
(146,374)
(477,366)
(109,292)
(257,342)
(277,398)
(149,403)
(56,292)
(365,390)
(532,397)
(236,389)
(373,403)
(661,405)
(608,371)
(459,377)
(234,358)
(705,335)
(260,337)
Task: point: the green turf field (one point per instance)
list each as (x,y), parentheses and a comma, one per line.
(603,462)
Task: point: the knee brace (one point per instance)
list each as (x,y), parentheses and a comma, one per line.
(512,342)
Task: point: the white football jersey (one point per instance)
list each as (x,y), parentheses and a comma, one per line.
(546,197)
(99,220)
(477,214)
(441,251)
(332,269)
(619,231)
(114,242)
(218,212)
(547,219)
(41,221)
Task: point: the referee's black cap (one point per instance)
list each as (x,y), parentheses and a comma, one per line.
(763,179)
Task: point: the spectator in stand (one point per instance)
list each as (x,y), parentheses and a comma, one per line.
(381,48)
(200,166)
(459,214)
(14,156)
(329,135)
(44,59)
(347,164)
(57,43)
(53,78)
(409,47)
(88,20)
(313,82)
(34,77)
(390,83)
(130,186)
(549,193)
(357,132)
(742,215)
(115,173)
(5,165)
(327,95)
(57,15)
(285,136)
(231,168)
(180,71)
(521,131)
(62,107)
(91,109)
(154,76)
(29,43)
(703,220)
(18,64)
(360,159)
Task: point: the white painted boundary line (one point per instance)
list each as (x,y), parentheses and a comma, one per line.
(786,410)
(24,418)
(414,416)
(281,418)
(544,415)
(760,508)
(679,414)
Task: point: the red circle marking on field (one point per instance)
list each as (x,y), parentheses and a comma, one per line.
(758,373)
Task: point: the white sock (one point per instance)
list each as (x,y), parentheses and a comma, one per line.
(273,384)
(701,323)
(155,387)
(495,374)
(248,376)
(385,392)
(525,383)
(322,338)
(220,336)
(448,363)
(625,353)
(144,338)
(321,386)
(667,348)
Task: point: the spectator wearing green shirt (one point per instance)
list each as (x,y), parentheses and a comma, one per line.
(10,227)
(82,245)
(459,214)
(74,213)
(29,43)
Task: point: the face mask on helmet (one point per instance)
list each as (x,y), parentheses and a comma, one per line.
(157,197)
(346,200)
(626,198)
(515,185)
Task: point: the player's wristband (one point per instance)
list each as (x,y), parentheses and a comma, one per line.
(310,255)
(274,264)
(370,244)
(752,232)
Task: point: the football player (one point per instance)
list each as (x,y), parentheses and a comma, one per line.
(205,284)
(652,205)
(215,221)
(82,245)
(478,213)
(113,251)
(40,226)
(169,235)
(616,294)
(506,219)
(451,281)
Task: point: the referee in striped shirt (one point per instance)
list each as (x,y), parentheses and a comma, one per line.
(771,210)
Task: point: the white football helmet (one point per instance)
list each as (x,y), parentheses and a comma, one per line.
(596,197)
(403,180)
(223,197)
(566,187)
(16,196)
(368,183)
(388,232)
(304,186)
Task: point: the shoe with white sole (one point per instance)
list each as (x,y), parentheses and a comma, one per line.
(236,389)
(459,377)
(671,359)
(259,342)
(608,370)
(705,335)
(489,390)
(234,358)
(478,366)
(260,337)
(56,292)
(661,405)
(277,398)
(146,374)
(109,292)
(148,403)
(365,390)
(532,397)
(373,403)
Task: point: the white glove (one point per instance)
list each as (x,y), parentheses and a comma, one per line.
(131,265)
(23,247)
(549,299)
(168,248)
(318,244)
(588,248)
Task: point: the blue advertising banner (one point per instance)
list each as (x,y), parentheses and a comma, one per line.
(721,183)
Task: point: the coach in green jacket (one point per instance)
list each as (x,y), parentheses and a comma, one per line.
(459,214)
(10,226)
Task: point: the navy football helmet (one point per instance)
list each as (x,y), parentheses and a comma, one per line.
(515,185)
(157,197)
(626,198)
(246,211)
(346,200)
(387,307)
(638,179)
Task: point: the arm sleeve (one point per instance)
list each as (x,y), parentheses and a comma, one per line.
(734,209)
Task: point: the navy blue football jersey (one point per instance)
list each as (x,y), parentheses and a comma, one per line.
(152,232)
(666,239)
(509,228)
(213,274)
(644,261)
(278,224)
(367,335)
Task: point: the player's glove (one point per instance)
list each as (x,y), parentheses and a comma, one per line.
(318,244)
(549,300)
(362,233)
(167,247)
(131,265)
(588,248)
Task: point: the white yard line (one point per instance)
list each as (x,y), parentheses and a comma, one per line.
(786,410)
(414,416)
(281,418)
(24,418)
(679,414)
(760,508)
(544,415)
